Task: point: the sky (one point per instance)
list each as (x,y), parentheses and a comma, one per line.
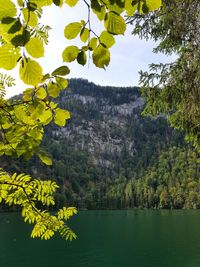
(128,56)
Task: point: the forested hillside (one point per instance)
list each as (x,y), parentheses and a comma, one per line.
(109,156)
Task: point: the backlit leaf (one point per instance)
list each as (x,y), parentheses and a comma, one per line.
(63,70)
(41,93)
(85,34)
(114,23)
(101,56)
(71,2)
(30,71)
(30,17)
(61,116)
(72,30)
(107,39)
(70,53)
(7,9)
(9,56)
(35,47)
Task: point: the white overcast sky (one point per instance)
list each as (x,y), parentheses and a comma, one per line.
(128,55)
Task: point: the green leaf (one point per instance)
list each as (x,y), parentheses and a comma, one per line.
(85,34)
(9,56)
(61,82)
(30,17)
(44,157)
(41,93)
(107,39)
(114,23)
(8,28)
(63,70)
(61,116)
(30,72)
(21,39)
(53,89)
(130,8)
(93,43)
(41,3)
(153,4)
(35,47)
(98,9)
(71,2)
(101,56)
(70,53)
(7,9)
(58,2)
(72,30)
(81,59)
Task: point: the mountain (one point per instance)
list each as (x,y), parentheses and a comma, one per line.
(109,156)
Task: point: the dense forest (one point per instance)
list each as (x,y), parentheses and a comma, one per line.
(108,156)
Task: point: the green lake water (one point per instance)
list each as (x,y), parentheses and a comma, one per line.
(107,239)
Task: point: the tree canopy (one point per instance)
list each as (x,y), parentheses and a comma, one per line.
(22,120)
(173,89)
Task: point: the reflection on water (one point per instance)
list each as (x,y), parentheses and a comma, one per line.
(107,239)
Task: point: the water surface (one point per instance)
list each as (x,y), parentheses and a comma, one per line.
(107,239)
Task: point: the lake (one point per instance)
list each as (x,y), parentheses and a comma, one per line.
(136,238)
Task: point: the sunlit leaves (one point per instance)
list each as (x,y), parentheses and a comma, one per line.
(7,9)
(72,30)
(30,17)
(30,71)
(35,47)
(101,56)
(9,56)
(70,53)
(41,93)
(61,116)
(107,39)
(24,191)
(130,8)
(114,23)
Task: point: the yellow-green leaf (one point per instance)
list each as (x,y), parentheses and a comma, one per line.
(85,34)
(41,93)
(70,53)
(63,70)
(35,47)
(9,56)
(107,39)
(45,158)
(114,23)
(72,30)
(7,9)
(53,89)
(71,2)
(30,71)
(101,56)
(153,4)
(61,116)
(130,9)
(93,43)
(30,17)
(61,82)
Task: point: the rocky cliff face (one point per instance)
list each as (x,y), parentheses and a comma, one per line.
(100,119)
